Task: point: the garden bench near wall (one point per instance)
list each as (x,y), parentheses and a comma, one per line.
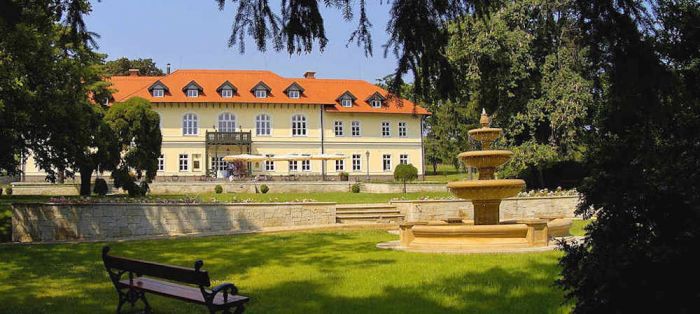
(164,280)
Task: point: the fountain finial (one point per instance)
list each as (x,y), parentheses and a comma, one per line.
(485,120)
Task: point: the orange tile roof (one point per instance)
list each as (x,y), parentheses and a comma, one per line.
(316,91)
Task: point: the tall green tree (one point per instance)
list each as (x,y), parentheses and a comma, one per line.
(137,130)
(49,84)
(643,160)
(122,66)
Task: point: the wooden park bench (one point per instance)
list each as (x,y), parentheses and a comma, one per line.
(185,284)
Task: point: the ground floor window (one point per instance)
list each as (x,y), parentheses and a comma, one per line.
(293,165)
(218,163)
(184,162)
(306,165)
(356,162)
(196,162)
(403,159)
(340,165)
(269,164)
(386,162)
(161,163)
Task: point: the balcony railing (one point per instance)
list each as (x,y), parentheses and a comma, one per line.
(228,138)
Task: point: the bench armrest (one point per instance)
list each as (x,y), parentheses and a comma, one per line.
(226,288)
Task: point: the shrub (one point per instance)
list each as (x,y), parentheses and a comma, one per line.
(218,189)
(100,187)
(355,188)
(8,191)
(404,173)
(0,190)
(264,189)
(344,176)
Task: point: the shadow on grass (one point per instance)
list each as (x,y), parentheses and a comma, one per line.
(305,272)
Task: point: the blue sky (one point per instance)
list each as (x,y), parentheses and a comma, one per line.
(194,35)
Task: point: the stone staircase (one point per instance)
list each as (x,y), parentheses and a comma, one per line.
(367,213)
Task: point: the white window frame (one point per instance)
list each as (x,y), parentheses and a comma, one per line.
(192,92)
(196,162)
(269,164)
(355,129)
(306,165)
(294,93)
(403,129)
(227,92)
(226,122)
(386,129)
(161,163)
(339,165)
(356,162)
(218,163)
(299,125)
(184,162)
(293,166)
(338,128)
(346,102)
(376,103)
(386,162)
(158,92)
(263,125)
(190,124)
(260,93)
(403,159)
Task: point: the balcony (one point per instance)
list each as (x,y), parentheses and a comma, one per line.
(228,138)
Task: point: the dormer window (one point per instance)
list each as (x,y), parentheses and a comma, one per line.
(192,89)
(376,100)
(158,92)
(346,99)
(158,89)
(261,90)
(294,91)
(226,90)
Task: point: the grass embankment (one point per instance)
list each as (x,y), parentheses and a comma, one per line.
(305,272)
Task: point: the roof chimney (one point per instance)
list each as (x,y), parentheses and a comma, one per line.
(167,69)
(310,75)
(133,72)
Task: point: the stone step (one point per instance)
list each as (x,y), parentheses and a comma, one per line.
(342,207)
(368,211)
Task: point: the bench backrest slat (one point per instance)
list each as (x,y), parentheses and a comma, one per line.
(168,272)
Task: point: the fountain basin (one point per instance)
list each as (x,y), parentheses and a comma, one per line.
(485,134)
(486,189)
(485,158)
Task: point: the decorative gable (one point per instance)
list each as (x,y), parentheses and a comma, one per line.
(294,86)
(346,95)
(227,85)
(375,96)
(158,85)
(261,86)
(192,85)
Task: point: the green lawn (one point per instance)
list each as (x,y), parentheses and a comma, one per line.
(337,271)
(337,197)
(445,173)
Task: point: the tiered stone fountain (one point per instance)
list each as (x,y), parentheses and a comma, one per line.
(486,233)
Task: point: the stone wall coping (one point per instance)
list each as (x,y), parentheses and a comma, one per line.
(213,183)
(505,199)
(172,204)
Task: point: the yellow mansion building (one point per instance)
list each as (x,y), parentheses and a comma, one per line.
(208,114)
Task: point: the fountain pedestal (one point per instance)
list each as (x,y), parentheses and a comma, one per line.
(487,233)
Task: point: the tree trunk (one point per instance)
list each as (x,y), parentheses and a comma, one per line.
(435,168)
(85,177)
(541,177)
(404,186)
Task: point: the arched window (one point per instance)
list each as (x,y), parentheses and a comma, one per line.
(227,122)
(298,125)
(190,124)
(263,125)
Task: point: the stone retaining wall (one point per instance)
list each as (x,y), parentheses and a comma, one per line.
(511,208)
(33,188)
(57,222)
